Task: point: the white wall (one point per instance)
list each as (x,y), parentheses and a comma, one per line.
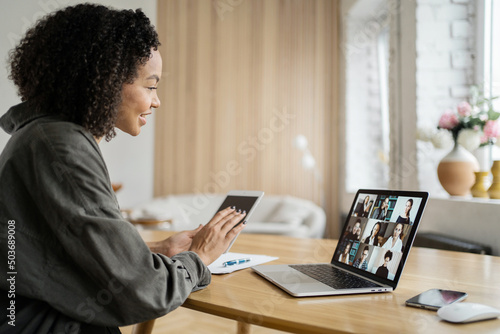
(129,159)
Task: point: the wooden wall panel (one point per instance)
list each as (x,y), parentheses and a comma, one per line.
(241,79)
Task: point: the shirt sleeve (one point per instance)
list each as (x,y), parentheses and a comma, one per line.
(98,269)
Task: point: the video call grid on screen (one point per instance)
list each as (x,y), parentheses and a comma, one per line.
(377,234)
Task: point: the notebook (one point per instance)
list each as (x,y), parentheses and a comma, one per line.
(371,252)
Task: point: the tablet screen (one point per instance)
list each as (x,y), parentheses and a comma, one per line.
(240,202)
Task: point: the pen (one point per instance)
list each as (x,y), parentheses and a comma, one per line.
(233,262)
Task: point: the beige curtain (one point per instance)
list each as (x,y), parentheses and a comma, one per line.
(243,78)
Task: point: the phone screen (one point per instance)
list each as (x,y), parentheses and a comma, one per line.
(436,298)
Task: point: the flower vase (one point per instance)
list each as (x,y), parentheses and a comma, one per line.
(480,187)
(484,156)
(456,171)
(494,190)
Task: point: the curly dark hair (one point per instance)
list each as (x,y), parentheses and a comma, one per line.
(75,61)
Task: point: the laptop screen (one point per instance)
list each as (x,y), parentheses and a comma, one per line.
(379,232)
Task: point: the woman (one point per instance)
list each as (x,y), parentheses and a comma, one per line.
(405,216)
(361,207)
(394,242)
(355,234)
(80,73)
(381,212)
(344,257)
(367,209)
(383,271)
(372,239)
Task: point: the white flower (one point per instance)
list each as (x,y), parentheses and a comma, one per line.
(442,139)
(469,139)
(425,133)
(475,110)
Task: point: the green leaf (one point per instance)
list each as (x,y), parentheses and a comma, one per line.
(493,115)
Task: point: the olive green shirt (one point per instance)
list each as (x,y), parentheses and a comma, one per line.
(78,263)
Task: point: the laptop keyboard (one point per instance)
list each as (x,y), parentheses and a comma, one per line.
(333,277)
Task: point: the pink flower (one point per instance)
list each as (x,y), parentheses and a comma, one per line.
(448,120)
(491,129)
(464,109)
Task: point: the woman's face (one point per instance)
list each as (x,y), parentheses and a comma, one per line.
(407,207)
(386,203)
(397,231)
(140,96)
(357,228)
(376,228)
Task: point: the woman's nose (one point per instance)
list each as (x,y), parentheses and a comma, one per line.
(156,102)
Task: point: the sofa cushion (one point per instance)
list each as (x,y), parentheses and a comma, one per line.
(275,228)
(288,212)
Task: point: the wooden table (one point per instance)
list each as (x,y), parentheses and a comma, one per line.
(249,299)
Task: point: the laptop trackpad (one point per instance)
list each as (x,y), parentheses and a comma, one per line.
(297,283)
(290,277)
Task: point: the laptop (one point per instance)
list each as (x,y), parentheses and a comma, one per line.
(371,252)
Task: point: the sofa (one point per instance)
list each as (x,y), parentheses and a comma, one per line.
(275,214)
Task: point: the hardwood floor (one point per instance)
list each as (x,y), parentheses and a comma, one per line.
(187,321)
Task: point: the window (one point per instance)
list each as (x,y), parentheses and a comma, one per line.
(432,61)
(385,96)
(366,101)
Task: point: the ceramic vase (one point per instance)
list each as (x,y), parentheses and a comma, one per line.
(456,171)
(484,156)
(480,187)
(494,190)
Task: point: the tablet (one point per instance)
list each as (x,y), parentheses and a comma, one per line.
(243,200)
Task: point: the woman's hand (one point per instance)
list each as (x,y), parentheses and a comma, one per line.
(177,243)
(214,238)
(208,241)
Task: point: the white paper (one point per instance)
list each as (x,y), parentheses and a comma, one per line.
(217,266)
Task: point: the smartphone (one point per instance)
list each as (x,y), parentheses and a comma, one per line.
(243,200)
(434,299)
